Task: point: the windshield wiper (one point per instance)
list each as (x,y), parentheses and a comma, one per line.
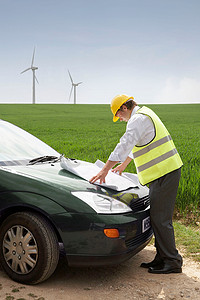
(46,158)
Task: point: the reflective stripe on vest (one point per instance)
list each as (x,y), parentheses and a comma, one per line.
(159,156)
(152,146)
(157,160)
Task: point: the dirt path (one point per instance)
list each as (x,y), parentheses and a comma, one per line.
(125,281)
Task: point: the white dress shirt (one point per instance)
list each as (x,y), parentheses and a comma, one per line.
(139,131)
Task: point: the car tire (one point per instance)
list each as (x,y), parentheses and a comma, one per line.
(29,249)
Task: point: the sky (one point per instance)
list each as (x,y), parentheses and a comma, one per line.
(148,49)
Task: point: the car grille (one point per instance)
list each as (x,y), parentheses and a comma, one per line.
(139,239)
(140,204)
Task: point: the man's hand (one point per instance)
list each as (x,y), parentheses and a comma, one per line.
(119,169)
(103,173)
(100,176)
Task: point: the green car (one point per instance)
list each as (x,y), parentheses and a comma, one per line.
(45,208)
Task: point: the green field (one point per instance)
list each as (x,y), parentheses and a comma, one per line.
(87,132)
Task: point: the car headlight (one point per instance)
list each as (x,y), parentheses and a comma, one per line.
(102,203)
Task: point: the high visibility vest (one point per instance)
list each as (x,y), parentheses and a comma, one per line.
(159,156)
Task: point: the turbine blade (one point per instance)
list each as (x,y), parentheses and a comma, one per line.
(79,83)
(33,57)
(25,70)
(36,79)
(70,77)
(70,93)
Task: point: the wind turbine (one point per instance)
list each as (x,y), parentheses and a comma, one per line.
(74,85)
(34,77)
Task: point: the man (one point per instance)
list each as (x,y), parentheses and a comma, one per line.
(158,164)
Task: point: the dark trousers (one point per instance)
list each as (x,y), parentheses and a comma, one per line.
(163,193)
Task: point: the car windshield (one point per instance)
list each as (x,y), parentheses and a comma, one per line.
(18,147)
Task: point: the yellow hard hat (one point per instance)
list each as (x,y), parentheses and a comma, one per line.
(117,102)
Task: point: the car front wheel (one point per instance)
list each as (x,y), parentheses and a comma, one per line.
(29,249)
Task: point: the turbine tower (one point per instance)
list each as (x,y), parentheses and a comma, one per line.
(74,85)
(34,77)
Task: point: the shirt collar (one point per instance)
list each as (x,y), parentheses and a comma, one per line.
(134,110)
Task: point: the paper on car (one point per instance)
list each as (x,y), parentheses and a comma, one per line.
(87,170)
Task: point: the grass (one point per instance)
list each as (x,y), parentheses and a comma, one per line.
(188,238)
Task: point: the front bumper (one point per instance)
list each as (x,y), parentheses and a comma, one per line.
(134,246)
(85,243)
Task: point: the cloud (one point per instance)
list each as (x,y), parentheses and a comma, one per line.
(180,90)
